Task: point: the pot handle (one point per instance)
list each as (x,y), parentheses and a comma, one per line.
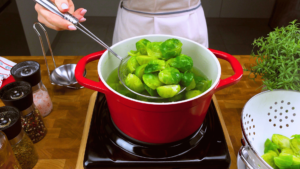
(236,66)
(244,158)
(79,70)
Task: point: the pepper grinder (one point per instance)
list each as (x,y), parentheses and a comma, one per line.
(29,71)
(19,94)
(22,146)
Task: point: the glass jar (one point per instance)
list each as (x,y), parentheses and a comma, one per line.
(7,157)
(29,71)
(24,150)
(42,99)
(19,95)
(33,124)
(22,146)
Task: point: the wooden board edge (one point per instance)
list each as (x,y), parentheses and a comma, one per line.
(85,133)
(226,134)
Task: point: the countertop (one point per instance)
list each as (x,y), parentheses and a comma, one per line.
(59,149)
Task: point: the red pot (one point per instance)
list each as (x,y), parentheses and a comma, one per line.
(159,122)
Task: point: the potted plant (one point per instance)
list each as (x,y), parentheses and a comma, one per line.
(278,58)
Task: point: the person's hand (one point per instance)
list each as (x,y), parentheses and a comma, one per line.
(54,21)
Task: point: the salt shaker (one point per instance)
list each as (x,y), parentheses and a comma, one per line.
(29,71)
(21,145)
(19,94)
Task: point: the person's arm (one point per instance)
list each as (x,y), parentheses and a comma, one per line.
(54,21)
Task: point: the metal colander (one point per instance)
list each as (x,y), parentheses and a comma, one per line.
(265,114)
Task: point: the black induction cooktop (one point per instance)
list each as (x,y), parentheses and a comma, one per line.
(108,147)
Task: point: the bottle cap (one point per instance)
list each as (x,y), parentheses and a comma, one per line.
(17,94)
(28,71)
(10,121)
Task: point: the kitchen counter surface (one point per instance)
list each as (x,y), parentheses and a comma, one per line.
(59,149)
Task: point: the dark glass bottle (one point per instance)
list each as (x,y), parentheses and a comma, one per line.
(22,146)
(7,156)
(29,71)
(19,95)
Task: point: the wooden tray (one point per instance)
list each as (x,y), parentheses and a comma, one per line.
(79,164)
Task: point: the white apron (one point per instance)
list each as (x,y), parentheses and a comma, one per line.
(184,18)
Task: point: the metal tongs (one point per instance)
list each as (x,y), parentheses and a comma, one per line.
(121,69)
(69,17)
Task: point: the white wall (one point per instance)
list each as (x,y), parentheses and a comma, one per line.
(28,16)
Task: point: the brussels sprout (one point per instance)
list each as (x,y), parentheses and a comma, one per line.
(170,48)
(132,64)
(295,143)
(199,79)
(133,53)
(269,145)
(269,158)
(152,81)
(281,141)
(134,83)
(155,65)
(182,62)
(153,49)
(143,59)
(170,76)
(191,86)
(169,61)
(192,93)
(168,91)
(203,85)
(187,78)
(150,91)
(139,71)
(287,151)
(283,161)
(176,98)
(141,46)
(296,163)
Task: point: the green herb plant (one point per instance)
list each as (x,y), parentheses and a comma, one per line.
(278,58)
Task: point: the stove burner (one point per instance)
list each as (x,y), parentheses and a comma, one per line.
(108,147)
(149,150)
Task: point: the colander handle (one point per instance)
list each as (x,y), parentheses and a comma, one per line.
(236,66)
(79,70)
(244,158)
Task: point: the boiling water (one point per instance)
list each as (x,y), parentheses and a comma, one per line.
(114,82)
